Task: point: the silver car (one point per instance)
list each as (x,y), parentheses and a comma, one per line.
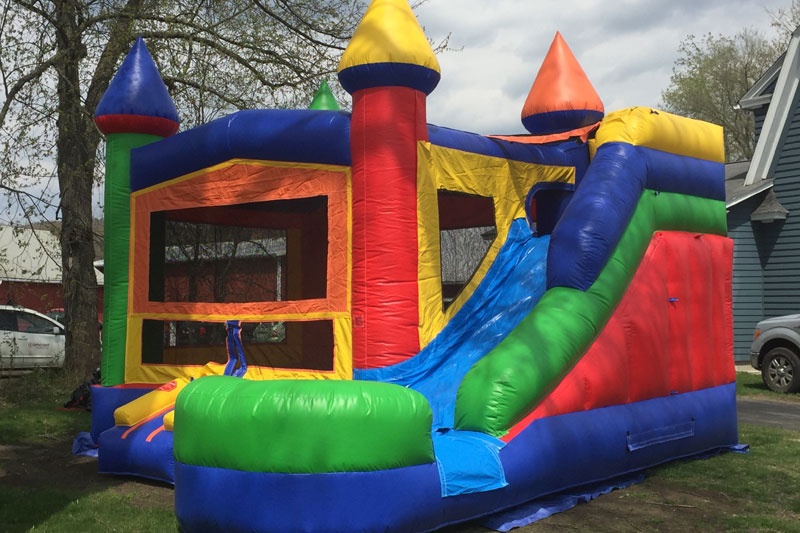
(29,339)
(775,349)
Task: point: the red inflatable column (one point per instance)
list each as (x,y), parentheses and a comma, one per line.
(389,69)
(387,122)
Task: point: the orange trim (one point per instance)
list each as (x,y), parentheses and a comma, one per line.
(580,133)
(238,182)
(154,433)
(241,181)
(310,309)
(143,421)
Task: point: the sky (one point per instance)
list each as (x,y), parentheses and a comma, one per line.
(626,47)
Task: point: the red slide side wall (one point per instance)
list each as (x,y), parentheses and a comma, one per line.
(672,332)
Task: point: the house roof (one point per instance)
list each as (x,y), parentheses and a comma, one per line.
(31,255)
(54,227)
(735,189)
(770,209)
(785,73)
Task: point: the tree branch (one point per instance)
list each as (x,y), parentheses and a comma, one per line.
(33,8)
(226,52)
(20,193)
(24,80)
(239,104)
(294,28)
(312,27)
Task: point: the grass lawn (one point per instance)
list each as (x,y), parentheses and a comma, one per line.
(44,488)
(750,385)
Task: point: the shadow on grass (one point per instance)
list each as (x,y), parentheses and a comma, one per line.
(756,388)
(44,487)
(751,384)
(23,510)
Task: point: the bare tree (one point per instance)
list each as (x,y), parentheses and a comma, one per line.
(58,57)
(785,21)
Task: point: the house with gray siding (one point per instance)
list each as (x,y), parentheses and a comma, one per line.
(763,201)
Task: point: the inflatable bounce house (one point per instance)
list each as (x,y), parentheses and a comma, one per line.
(328,320)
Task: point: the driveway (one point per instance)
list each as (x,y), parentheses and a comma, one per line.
(784,415)
(763,412)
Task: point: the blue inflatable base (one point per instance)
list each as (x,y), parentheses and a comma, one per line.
(138,453)
(105,401)
(541,508)
(550,456)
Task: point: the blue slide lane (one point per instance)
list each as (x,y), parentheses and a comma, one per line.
(508,292)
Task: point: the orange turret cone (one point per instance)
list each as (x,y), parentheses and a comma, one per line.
(561,98)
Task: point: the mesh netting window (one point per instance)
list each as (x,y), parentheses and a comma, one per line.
(466,231)
(240,254)
(302,345)
(264,252)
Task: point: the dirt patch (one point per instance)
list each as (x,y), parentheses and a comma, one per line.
(52,465)
(655,504)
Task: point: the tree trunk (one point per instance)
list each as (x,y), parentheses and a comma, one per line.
(76,149)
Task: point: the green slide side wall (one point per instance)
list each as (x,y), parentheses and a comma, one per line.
(507,383)
(117,227)
(301,426)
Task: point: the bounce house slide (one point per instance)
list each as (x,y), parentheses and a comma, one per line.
(512,286)
(629,344)
(592,341)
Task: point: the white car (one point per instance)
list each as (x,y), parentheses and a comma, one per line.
(29,339)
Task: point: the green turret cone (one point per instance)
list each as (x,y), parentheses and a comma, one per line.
(324,98)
